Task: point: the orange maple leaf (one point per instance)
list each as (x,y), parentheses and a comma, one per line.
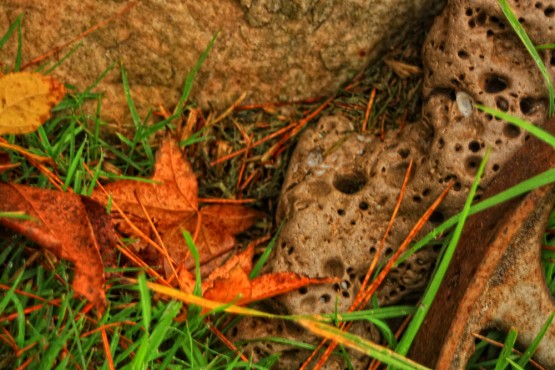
(71,226)
(171,201)
(231,283)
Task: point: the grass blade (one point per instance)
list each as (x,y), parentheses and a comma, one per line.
(527,355)
(525,125)
(507,350)
(378,352)
(146,303)
(517,27)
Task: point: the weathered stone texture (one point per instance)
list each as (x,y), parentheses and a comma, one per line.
(270,49)
(338,199)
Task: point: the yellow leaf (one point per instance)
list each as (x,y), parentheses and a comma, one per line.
(25,101)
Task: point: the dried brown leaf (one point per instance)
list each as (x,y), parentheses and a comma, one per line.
(73,227)
(172,204)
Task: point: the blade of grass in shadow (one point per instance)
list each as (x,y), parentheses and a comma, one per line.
(517,27)
(264,257)
(145,301)
(19,48)
(507,350)
(433,287)
(191,76)
(194,252)
(10,30)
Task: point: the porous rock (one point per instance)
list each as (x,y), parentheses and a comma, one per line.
(341,186)
(270,49)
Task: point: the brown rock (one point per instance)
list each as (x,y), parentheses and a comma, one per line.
(271,49)
(337,201)
(338,205)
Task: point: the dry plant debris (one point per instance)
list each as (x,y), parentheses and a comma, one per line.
(170,201)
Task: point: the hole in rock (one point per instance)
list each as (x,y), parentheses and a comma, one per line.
(468,12)
(426,192)
(481,19)
(417,199)
(549,11)
(436,217)
(538,5)
(290,250)
(345,294)
(336,287)
(495,83)
(363,206)
(345,284)
(440,143)
(529,105)
(495,167)
(462,54)
(471,23)
(325,298)
(234,331)
(471,164)
(334,267)
(341,212)
(303,290)
(404,153)
(502,103)
(457,186)
(474,146)
(349,183)
(511,131)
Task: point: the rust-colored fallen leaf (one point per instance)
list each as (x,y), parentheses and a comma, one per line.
(25,101)
(231,283)
(171,201)
(73,227)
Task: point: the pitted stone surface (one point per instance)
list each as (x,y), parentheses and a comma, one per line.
(270,49)
(338,200)
(342,186)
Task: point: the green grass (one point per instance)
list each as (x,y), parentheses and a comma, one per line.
(141,328)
